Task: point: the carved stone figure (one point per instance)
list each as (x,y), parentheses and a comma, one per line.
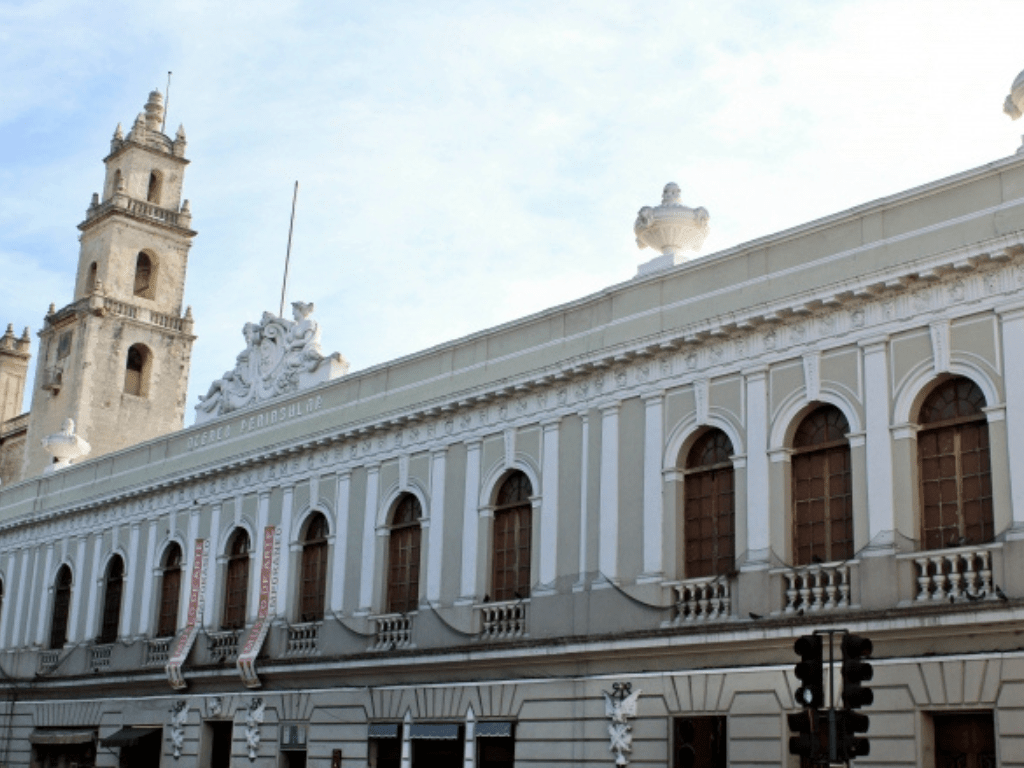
(253,721)
(179,716)
(619,707)
(281,357)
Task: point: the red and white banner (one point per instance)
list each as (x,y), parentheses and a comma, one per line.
(193,621)
(267,607)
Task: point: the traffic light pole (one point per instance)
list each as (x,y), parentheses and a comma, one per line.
(833,751)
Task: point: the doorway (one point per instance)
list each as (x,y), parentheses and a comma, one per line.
(965,740)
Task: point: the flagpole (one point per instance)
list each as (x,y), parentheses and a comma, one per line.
(288,253)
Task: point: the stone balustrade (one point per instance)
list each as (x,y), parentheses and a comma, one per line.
(48,660)
(141,209)
(950,574)
(503,621)
(223,646)
(393,630)
(303,640)
(157,652)
(819,587)
(99,657)
(703,599)
(115,307)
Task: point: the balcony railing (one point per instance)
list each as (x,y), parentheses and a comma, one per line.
(392,630)
(705,599)
(157,652)
(99,657)
(303,640)
(950,574)
(503,621)
(223,646)
(819,587)
(142,210)
(48,660)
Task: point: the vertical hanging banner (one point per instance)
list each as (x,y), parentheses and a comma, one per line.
(267,607)
(196,602)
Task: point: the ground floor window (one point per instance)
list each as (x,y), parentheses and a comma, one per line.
(216,744)
(385,745)
(965,740)
(699,742)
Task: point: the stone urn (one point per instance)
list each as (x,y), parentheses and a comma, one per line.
(65,446)
(670,228)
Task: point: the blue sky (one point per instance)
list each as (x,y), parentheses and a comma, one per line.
(466,163)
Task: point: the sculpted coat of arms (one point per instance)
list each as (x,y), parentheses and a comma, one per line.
(281,357)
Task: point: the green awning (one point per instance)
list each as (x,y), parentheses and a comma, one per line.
(62,736)
(128,737)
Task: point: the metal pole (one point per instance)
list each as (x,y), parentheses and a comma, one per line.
(288,253)
(832,746)
(167,103)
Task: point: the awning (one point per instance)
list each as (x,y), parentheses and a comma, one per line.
(493,729)
(62,736)
(446,731)
(128,737)
(383,731)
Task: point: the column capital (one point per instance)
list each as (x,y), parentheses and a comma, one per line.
(874,344)
(610,408)
(759,372)
(653,398)
(780,454)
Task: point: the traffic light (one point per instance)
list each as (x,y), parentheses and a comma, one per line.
(855,672)
(811,693)
(806,728)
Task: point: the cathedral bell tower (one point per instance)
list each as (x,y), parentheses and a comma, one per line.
(116,359)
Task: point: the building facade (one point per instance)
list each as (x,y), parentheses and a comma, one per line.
(587,537)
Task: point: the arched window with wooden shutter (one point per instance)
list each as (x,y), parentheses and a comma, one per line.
(236,585)
(113,585)
(61,608)
(822,488)
(709,517)
(170,591)
(314,569)
(513,531)
(954,466)
(403,593)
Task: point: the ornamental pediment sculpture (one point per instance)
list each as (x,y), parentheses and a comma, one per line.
(281,357)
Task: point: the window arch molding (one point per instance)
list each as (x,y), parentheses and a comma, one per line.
(797,407)
(920,383)
(389,501)
(491,482)
(161,549)
(688,431)
(301,521)
(228,528)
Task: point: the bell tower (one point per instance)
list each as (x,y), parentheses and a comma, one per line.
(116,358)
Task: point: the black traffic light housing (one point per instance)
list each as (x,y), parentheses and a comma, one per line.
(810,672)
(849,722)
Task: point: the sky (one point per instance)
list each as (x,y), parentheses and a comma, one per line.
(463,164)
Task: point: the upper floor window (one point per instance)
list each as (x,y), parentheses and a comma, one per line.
(118,181)
(143,285)
(513,522)
(153,190)
(822,488)
(136,373)
(61,608)
(314,569)
(956,479)
(236,586)
(709,518)
(91,277)
(113,584)
(404,556)
(170,591)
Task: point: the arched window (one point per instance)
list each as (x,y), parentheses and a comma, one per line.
(90,280)
(404,556)
(136,372)
(236,587)
(314,569)
(118,181)
(61,608)
(143,276)
(170,591)
(153,190)
(956,479)
(111,617)
(822,489)
(513,518)
(709,518)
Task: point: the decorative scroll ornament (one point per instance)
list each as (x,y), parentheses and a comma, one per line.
(670,228)
(281,357)
(179,715)
(619,706)
(253,721)
(196,600)
(266,609)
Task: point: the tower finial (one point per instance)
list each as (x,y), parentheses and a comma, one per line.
(154,110)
